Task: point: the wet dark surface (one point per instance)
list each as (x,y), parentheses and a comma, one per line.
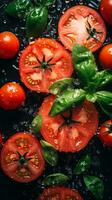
(19,120)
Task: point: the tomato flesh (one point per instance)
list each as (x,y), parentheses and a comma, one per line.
(60,193)
(75,25)
(69,137)
(31,164)
(105,133)
(42,63)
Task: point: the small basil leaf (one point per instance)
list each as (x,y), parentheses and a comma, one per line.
(91,97)
(49,153)
(95,185)
(18,8)
(36,124)
(102,78)
(104,99)
(84,64)
(36,21)
(83,165)
(55,179)
(60,85)
(66,100)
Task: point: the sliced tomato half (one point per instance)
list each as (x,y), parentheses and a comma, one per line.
(60,193)
(83,25)
(21,158)
(71,131)
(42,63)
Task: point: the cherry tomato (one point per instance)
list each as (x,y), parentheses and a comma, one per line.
(71,131)
(105,133)
(21,158)
(60,193)
(83,25)
(44,62)
(106,10)
(105,56)
(12,96)
(9,45)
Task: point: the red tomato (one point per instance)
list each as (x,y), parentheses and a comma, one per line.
(83,25)
(105,133)
(106,10)
(105,56)
(44,62)
(9,45)
(21,158)
(60,193)
(12,96)
(69,137)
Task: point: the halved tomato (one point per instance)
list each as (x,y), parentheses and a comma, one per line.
(60,193)
(42,63)
(71,131)
(21,158)
(83,25)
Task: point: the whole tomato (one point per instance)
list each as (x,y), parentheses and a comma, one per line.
(106,10)
(105,57)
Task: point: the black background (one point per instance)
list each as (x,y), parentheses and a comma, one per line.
(19,120)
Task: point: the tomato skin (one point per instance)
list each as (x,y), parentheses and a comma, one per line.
(9,45)
(105,57)
(72,137)
(105,133)
(72,28)
(106,10)
(12,96)
(34,74)
(61,193)
(24,143)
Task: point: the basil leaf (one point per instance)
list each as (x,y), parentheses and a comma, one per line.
(55,179)
(95,185)
(60,85)
(91,97)
(36,124)
(49,153)
(36,21)
(66,100)
(44,2)
(83,165)
(18,8)
(102,78)
(104,99)
(84,63)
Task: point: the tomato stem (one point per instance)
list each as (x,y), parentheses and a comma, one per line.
(44,64)
(22,158)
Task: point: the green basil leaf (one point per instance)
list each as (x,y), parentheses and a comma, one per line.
(36,124)
(102,78)
(91,97)
(84,64)
(95,185)
(104,99)
(55,179)
(36,21)
(83,165)
(49,153)
(19,8)
(44,2)
(66,100)
(60,85)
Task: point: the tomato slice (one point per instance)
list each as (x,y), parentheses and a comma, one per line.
(42,63)
(105,133)
(73,135)
(60,193)
(21,157)
(83,25)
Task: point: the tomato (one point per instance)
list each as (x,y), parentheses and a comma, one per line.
(60,193)
(106,10)
(44,62)
(105,133)
(21,158)
(1,140)
(71,131)
(12,96)
(9,45)
(83,25)
(105,56)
